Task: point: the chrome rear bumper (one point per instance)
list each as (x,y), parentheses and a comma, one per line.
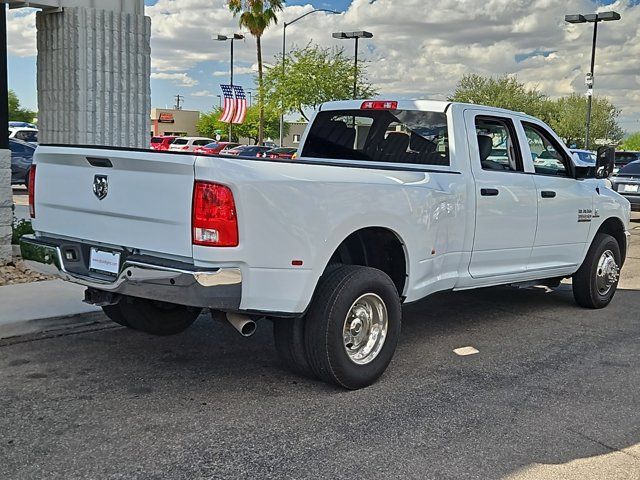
(142,276)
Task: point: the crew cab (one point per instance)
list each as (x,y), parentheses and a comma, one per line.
(387,203)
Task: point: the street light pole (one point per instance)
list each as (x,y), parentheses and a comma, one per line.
(284,52)
(224,38)
(594,18)
(357,36)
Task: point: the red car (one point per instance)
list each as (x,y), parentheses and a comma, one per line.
(162,142)
(215,148)
(283,153)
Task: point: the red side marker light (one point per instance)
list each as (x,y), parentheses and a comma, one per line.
(297,263)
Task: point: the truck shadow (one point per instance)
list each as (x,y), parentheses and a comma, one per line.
(551,383)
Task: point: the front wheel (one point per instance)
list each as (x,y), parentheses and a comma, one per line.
(352,326)
(153,317)
(595,283)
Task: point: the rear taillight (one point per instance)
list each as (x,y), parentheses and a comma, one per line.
(215,223)
(32,191)
(379,105)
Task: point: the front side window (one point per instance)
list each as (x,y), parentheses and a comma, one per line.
(547,157)
(394,136)
(497,145)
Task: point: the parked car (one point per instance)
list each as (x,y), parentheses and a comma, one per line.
(285,153)
(216,147)
(248,150)
(26,134)
(329,247)
(188,144)
(587,157)
(22,124)
(21,160)
(627,183)
(624,157)
(162,142)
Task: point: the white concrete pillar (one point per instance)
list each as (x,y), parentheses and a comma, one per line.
(94,70)
(6,206)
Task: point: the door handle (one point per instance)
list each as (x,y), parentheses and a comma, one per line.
(489,192)
(548,194)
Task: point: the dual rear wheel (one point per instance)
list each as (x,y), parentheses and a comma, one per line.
(350,332)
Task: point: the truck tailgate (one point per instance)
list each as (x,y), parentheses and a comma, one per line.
(147,204)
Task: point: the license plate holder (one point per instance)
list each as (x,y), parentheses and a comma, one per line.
(104,261)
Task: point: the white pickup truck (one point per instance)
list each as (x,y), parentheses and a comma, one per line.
(387,203)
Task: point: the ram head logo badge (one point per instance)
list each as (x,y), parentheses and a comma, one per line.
(100,186)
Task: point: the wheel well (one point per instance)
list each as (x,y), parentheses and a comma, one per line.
(374,247)
(613,226)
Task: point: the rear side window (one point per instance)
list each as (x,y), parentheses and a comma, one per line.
(180,141)
(27,136)
(394,136)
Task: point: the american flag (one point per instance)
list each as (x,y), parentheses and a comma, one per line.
(229,104)
(241,104)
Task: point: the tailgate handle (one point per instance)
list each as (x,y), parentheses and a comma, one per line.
(99,162)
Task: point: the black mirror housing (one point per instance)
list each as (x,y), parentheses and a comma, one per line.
(605,161)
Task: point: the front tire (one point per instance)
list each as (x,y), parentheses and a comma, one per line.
(153,317)
(595,283)
(352,327)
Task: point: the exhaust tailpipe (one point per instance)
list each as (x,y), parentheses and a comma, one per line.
(243,324)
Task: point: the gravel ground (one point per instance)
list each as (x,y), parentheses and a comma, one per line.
(17,272)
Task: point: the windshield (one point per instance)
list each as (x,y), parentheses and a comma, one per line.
(397,136)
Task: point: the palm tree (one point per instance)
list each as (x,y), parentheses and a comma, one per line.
(256,16)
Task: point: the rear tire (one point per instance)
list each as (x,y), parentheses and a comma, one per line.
(288,334)
(153,317)
(353,325)
(595,283)
(114,313)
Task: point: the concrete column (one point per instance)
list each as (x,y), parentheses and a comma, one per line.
(6,206)
(94,70)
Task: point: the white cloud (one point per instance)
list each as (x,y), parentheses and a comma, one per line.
(420,47)
(181,79)
(21,32)
(237,71)
(202,93)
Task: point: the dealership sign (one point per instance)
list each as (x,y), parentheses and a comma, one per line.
(166,118)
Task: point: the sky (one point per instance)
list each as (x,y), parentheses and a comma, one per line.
(420,48)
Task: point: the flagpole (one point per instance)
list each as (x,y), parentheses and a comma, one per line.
(231,121)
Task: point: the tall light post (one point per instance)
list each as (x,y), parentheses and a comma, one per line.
(224,38)
(284,52)
(357,36)
(594,18)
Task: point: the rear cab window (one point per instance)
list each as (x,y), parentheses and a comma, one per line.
(390,136)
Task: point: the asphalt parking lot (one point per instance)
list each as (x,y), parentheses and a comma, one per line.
(552,393)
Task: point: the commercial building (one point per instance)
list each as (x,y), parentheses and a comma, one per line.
(167,121)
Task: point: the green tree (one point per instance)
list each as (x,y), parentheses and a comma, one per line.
(313,75)
(256,16)
(503,92)
(569,120)
(566,115)
(16,113)
(632,142)
(250,128)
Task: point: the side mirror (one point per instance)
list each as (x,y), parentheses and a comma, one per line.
(605,161)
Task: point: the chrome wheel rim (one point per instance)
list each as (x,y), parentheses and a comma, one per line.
(607,272)
(365,329)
